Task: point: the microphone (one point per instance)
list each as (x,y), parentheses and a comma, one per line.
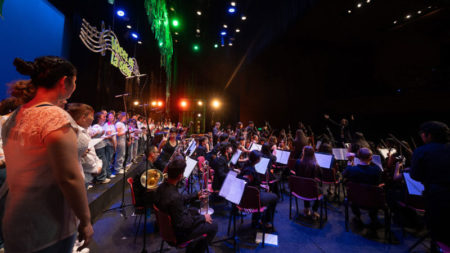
(121,95)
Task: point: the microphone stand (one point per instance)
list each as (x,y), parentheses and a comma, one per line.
(122,206)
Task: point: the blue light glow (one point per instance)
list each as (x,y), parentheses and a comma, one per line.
(120,13)
(134,35)
(223,33)
(231,10)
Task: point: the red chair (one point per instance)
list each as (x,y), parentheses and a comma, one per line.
(138,210)
(250,204)
(306,189)
(168,234)
(329,178)
(368,197)
(291,165)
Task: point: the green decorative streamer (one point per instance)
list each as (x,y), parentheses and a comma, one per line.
(1,7)
(159,21)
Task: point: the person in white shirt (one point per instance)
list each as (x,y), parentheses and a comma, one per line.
(92,165)
(110,143)
(97,131)
(121,142)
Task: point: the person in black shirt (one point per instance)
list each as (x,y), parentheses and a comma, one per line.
(364,173)
(167,146)
(220,166)
(187,222)
(141,195)
(252,178)
(201,148)
(431,165)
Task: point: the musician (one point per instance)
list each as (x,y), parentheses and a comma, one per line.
(431,165)
(239,129)
(167,146)
(121,142)
(251,130)
(266,152)
(300,141)
(200,150)
(187,222)
(220,166)
(308,167)
(268,199)
(364,173)
(345,133)
(141,195)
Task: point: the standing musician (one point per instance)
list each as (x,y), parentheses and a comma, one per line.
(187,222)
(251,130)
(239,129)
(216,132)
(166,148)
(142,196)
(268,199)
(345,133)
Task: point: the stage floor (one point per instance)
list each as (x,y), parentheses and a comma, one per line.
(114,233)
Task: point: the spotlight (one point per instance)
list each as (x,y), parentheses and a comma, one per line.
(136,102)
(129,26)
(230,44)
(225,26)
(408,16)
(176,33)
(199,13)
(134,35)
(244,18)
(395,22)
(200,103)
(175,23)
(349,11)
(419,12)
(216,104)
(160,103)
(198,30)
(223,33)
(120,13)
(216,45)
(238,30)
(359,5)
(233,3)
(154,103)
(183,104)
(367,1)
(199,115)
(140,42)
(231,10)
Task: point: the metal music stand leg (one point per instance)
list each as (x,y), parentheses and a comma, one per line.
(234,237)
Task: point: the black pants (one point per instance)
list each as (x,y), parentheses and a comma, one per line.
(269,200)
(437,215)
(315,207)
(203,228)
(373,213)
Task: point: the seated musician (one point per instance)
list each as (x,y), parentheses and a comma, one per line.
(266,152)
(220,166)
(364,173)
(307,167)
(431,165)
(268,199)
(142,196)
(187,222)
(201,147)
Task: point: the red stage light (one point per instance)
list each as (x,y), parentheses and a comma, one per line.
(160,103)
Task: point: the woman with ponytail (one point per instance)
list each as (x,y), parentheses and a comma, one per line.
(47,201)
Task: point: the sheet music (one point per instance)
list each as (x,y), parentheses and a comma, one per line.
(340,154)
(324,160)
(271,239)
(232,188)
(261,167)
(377,160)
(255,147)
(384,152)
(192,149)
(414,187)
(282,156)
(189,146)
(235,157)
(94,142)
(190,165)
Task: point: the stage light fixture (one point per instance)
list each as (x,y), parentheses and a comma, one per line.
(244,17)
(160,103)
(197,30)
(216,104)
(223,33)
(129,26)
(233,3)
(199,115)
(230,44)
(238,30)
(200,103)
(367,1)
(359,5)
(199,13)
(140,42)
(120,13)
(231,10)
(183,104)
(349,11)
(395,22)
(225,26)
(134,35)
(175,23)
(419,12)
(136,102)
(154,103)
(408,16)
(216,45)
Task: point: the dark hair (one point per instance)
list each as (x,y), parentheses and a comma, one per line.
(97,116)
(22,90)
(45,71)
(254,157)
(223,137)
(265,149)
(223,148)
(173,130)
(326,148)
(176,167)
(77,110)
(438,130)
